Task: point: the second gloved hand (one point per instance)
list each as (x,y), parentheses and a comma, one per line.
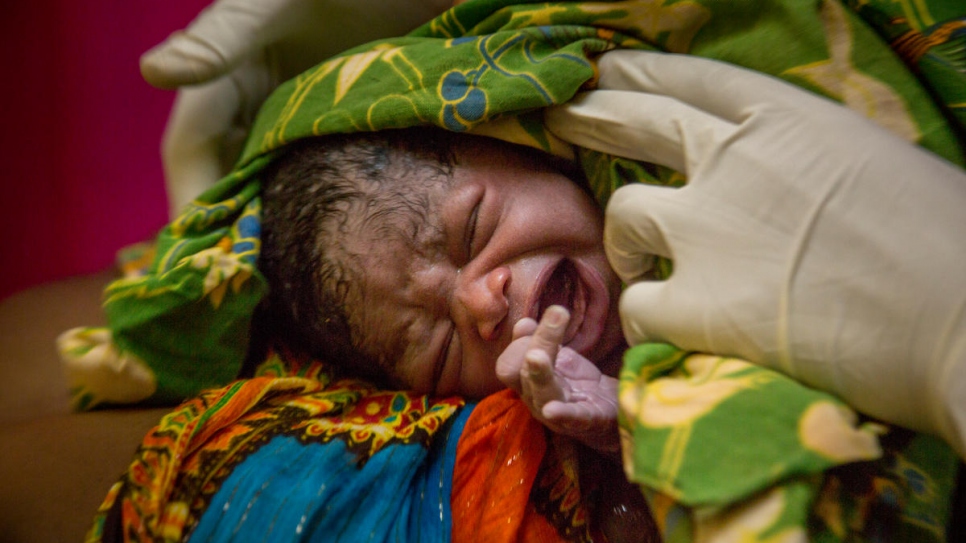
(807,239)
(234,54)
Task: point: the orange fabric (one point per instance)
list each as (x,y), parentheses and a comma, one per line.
(497,461)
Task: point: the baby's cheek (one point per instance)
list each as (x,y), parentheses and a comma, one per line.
(408,375)
(420,382)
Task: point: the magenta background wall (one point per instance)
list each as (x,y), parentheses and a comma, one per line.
(81,132)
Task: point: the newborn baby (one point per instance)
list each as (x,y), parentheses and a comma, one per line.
(422,259)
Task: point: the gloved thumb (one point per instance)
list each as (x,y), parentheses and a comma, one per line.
(649,312)
(634,230)
(671,311)
(214,43)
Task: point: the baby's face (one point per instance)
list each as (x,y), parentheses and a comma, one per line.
(508,238)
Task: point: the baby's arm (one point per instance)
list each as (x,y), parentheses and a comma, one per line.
(564,390)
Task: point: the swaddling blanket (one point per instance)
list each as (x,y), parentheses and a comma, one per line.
(295,455)
(489,67)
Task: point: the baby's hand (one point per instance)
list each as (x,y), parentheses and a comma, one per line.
(564,390)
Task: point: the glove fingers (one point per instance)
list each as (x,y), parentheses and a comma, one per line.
(634,229)
(213,43)
(639,126)
(195,149)
(649,312)
(721,90)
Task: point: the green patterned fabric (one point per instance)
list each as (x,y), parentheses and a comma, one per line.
(930,37)
(723,448)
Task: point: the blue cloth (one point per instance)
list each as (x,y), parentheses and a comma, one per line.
(291,491)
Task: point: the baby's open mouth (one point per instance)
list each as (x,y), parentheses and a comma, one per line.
(563,288)
(560,288)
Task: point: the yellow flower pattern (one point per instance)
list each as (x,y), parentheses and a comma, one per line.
(841,79)
(680,21)
(748,522)
(829,429)
(706,381)
(98,371)
(224,269)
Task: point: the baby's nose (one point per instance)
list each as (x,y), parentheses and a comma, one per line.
(484,301)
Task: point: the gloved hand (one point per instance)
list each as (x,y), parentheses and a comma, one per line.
(807,239)
(242,50)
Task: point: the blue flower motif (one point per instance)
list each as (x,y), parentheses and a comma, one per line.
(249,226)
(916,480)
(247,233)
(464,103)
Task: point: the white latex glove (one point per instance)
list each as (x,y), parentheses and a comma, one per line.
(242,50)
(808,239)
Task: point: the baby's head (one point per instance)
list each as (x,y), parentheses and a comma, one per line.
(411,254)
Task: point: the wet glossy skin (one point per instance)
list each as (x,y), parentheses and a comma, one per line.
(508,237)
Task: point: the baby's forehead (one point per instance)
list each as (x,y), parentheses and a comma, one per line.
(406,214)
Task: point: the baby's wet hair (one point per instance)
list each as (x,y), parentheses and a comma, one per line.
(309,194)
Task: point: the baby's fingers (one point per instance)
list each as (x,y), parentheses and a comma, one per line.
(510,365)
(550,332)
(538,380)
